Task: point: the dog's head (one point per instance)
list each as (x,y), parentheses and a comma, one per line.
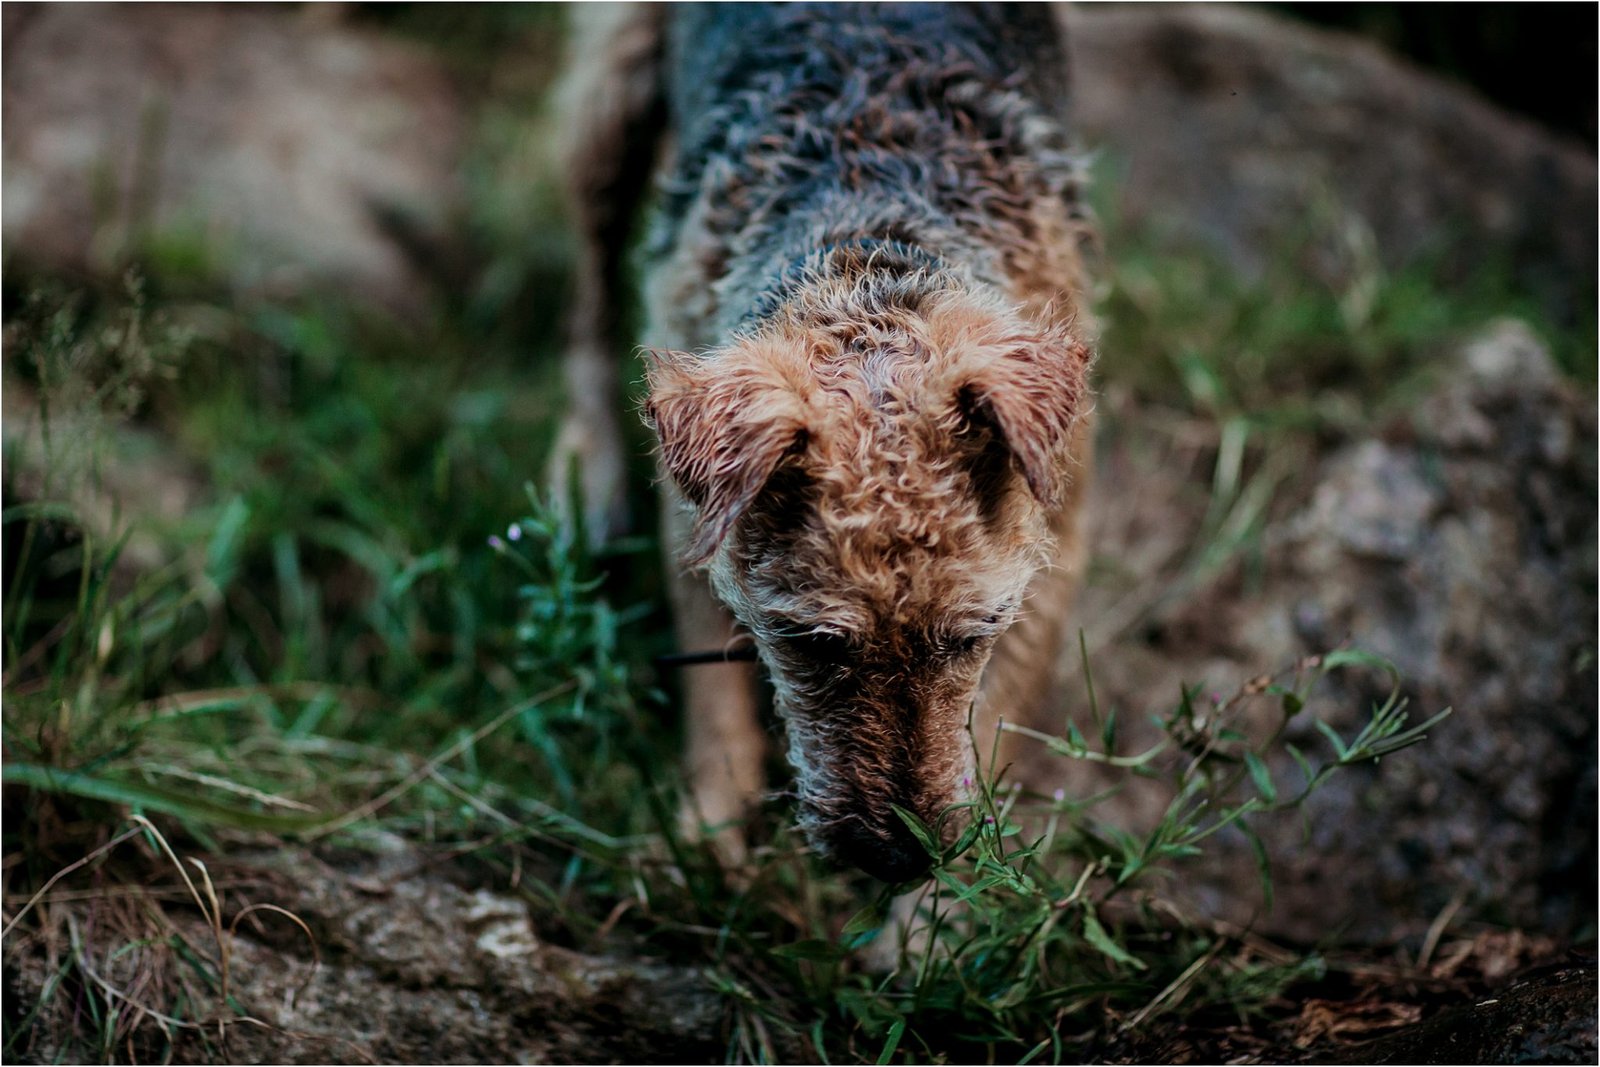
(872,490)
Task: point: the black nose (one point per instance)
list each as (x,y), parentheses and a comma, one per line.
(889,853)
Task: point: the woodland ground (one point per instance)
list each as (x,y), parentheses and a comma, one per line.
(302,687)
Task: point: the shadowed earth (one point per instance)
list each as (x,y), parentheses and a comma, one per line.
(1454,535)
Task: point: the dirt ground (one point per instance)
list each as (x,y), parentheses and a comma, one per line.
(1453,887)
(397,956)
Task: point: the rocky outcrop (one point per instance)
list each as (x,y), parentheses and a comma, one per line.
(377,956)
(287,146)
(1461,546)
(1546,1016)
(1458,542)
(1255,134)
(281,149)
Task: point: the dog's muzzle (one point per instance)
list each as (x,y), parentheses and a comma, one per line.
(889,853)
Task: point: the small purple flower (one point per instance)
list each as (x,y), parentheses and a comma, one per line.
(1216,698)
(1060,795)
(988,820)
(496,544)
(514,532)
(966,781)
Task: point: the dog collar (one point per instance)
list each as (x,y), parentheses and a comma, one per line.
(674,660)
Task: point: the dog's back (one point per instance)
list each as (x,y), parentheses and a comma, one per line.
(939,126)
(717,50)
(869,384)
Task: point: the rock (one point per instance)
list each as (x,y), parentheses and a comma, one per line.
(284,148)
(1488,608)
(408,967)
(1543,1017)
(1458,542)
(1253,133)
(1376,501)
(273,146)
(442,972)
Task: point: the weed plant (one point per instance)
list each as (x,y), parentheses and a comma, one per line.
(1044,931)
(350,633)
(1038,939)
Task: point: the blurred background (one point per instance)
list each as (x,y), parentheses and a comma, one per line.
(282,302)
(1495,51)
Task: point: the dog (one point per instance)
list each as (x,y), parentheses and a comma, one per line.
(868,367)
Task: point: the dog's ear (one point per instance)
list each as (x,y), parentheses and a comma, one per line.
(725,423)
(1029,396)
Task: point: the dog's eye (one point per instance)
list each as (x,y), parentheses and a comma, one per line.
(821,647)
(965,644)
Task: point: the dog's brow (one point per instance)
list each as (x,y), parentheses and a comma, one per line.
(789,627)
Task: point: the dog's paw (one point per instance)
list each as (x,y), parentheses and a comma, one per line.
(905,939)
(588,476)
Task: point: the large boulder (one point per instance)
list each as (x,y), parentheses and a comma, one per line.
(286,145)
(1254,133)
(282,148)
(367,955)
(1458,541)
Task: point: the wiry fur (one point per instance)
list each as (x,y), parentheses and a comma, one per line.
(870,391)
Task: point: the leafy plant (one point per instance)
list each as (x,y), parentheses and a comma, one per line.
(1041,924)
(236,690)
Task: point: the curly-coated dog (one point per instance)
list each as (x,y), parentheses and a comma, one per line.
(868,374)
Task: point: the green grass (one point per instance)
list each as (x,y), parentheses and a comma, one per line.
(364,621)
(1043,935)
(1325,337)
(362,630)
(1052,931)
(1272,370)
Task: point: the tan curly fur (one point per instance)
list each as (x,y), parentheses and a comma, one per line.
(870,392)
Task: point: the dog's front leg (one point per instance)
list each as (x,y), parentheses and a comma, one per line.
(1020,684)
(724,745)
(612,100)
